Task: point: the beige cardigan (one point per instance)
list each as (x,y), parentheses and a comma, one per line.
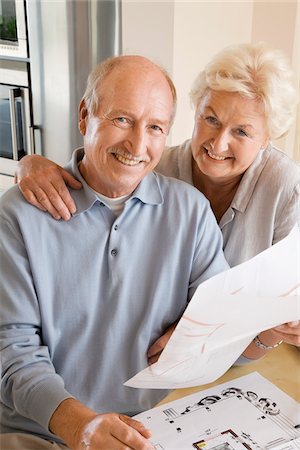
(265,207)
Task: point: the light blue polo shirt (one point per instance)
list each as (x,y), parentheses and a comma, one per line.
(82,301)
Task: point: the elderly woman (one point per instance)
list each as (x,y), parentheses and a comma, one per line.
(243,98)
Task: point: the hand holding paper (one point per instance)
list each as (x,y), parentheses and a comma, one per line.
(225,314)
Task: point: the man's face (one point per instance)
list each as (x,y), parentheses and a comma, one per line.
(124,139)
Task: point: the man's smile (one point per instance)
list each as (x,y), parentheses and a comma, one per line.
(126,157)
(127,161)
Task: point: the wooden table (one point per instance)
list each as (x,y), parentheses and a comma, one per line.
(281,366)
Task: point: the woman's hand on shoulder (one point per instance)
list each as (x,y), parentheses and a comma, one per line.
(44,184)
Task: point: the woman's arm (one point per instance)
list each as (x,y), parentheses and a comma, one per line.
(44,184)
(269,339)
(288,332)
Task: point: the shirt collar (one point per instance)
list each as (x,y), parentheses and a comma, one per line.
(148,190)
(249,180)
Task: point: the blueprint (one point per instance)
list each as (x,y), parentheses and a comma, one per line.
(245,413)
(225,314)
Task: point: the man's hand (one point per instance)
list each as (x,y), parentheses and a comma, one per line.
(158,346)
(81,429)
(43,184)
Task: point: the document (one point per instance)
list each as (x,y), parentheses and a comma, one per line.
(246,413)
(225,314)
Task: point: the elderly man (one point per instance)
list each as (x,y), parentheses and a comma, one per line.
(82,301)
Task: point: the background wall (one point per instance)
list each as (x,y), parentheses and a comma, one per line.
(183,35)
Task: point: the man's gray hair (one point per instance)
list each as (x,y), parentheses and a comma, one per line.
(102,70)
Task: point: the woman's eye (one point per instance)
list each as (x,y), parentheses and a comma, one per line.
(211,120)
(241,132)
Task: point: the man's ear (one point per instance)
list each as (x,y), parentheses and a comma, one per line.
(83,114)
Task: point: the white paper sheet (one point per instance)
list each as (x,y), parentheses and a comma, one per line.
(246,413)
(225,314)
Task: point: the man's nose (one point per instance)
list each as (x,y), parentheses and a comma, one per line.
(137,141)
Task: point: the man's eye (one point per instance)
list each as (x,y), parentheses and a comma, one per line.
(156,129)
(122,122)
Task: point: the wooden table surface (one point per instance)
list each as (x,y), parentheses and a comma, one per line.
(281,366)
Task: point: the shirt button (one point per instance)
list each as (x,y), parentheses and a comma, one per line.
(116,227)
(114,252)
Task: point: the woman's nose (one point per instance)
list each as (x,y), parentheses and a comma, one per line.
(220,142)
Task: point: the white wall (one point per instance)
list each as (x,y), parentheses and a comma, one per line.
(183,35)
(148,29)
(202,29)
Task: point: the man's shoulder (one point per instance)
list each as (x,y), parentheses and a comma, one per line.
(14,209)
(11,199)
(181,189)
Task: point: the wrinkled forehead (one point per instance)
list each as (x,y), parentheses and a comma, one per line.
(137,86)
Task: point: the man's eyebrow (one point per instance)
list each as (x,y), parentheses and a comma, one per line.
(119,112)
(126,113)
(160,121)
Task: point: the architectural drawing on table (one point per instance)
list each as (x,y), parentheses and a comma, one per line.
(226,440)
(251,410)
(291,445)
(265,410)
(265,405)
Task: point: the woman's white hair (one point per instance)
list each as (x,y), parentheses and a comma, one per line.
(255,71)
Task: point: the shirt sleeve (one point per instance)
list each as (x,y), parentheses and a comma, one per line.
(209,257)
(289,216)
(29,383)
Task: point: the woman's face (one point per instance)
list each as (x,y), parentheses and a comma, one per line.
(229,132)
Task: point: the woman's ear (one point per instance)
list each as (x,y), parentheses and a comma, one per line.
(83,114)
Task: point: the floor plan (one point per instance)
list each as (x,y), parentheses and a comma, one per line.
(246,413)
